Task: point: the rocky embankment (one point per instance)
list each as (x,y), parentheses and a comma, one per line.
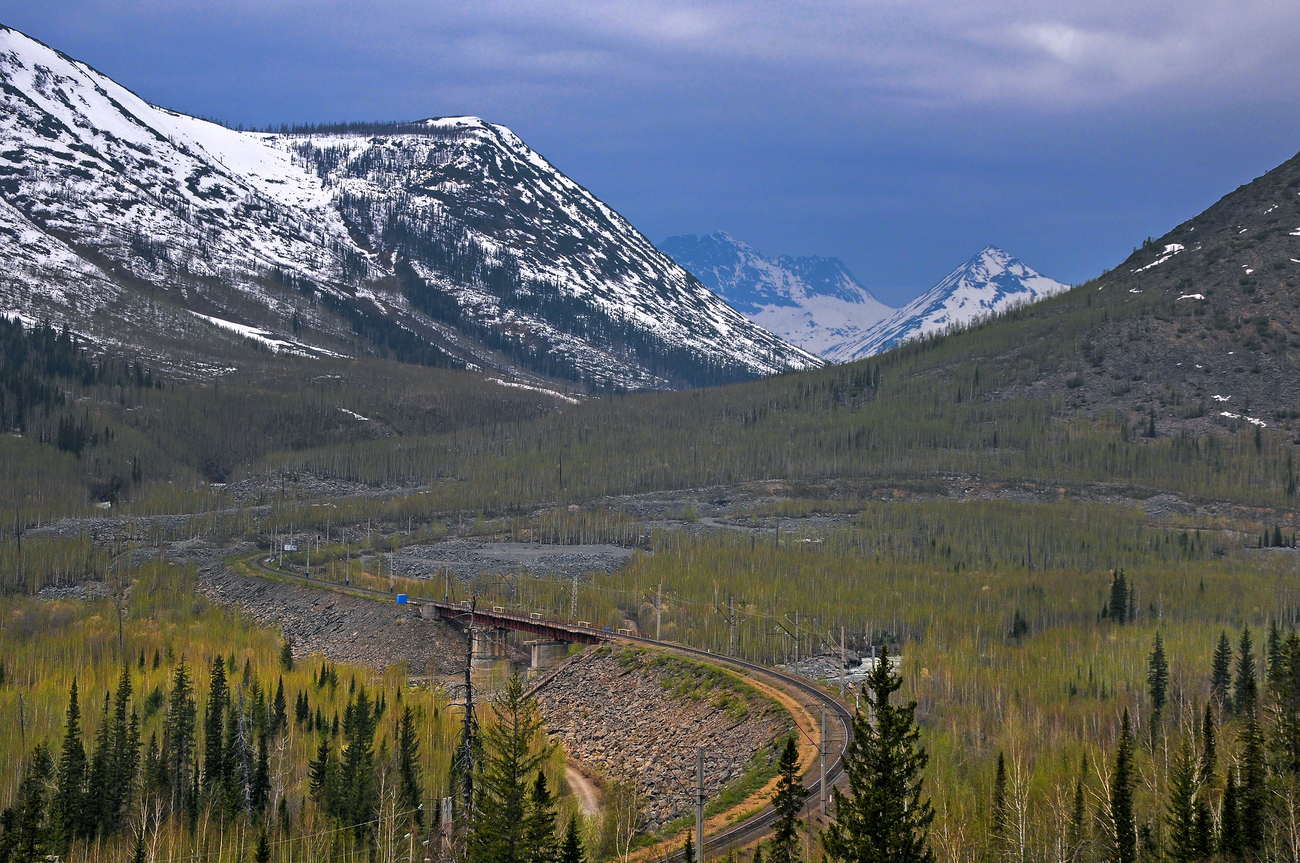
(343,628)
(635,715)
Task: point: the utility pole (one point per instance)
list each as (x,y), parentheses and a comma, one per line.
(731,624)
(821,783)
(843,661)
(796,637)
(699,803)
(573,598)
(659,610)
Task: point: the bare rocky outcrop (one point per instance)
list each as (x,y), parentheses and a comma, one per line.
(635,715)
(344,628)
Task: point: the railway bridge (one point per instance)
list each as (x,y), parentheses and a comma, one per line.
(555,636)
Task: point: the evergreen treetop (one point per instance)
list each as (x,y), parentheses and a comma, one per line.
(884,817)
(788,803)
(1123,781)
(1221,672)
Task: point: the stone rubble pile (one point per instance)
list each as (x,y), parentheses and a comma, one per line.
(343,628)
(615,712)
(825,668)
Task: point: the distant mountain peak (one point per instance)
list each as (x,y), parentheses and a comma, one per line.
(991,281)
(810,301)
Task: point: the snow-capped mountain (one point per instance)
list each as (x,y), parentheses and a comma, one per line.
(988,283)
(444,241)
(810,301)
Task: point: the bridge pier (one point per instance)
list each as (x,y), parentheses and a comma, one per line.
(545,654)
(489,647)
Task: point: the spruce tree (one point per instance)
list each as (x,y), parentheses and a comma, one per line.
(67,807)
(1203,820)
(1180,811)
(1076,835)
(1253,792)
(320,773)
(263,852)
(1245,691)
(302,710)
(234,765)
(788,803)
(410,792)
(688,849)
(1286,694)
(178,739)
(123,757)
(501,788)
(1230,841)
(1123,781)
(286,655)
(154,771)
(279,712)
(1221,672)
(260,792)
(998,807)
(1276,648)
(1157,677)
(357,767)
(97,779)
(1208,746)
(571,851)
(1119,600)
(884,818)
(26,837)
(540,843)
(213,714)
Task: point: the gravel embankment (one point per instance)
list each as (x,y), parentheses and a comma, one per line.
(632,715)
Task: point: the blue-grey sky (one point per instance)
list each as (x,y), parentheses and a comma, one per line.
(899,136)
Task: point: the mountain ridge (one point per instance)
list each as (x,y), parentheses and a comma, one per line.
(814,302)
(451,243)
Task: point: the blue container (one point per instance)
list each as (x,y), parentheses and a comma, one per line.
(401,599)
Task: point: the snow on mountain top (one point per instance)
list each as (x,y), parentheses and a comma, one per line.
(401,230)
(813,302)
(990,282)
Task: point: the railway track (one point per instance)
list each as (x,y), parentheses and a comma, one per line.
(756,826)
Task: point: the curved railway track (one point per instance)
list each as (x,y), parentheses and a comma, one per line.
(758,825)
(752,828)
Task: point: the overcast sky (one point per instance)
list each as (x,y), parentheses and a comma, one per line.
(899,136)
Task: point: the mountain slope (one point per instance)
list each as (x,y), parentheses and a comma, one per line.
(1202,325)
(812,302)
(447,241)
(989,283)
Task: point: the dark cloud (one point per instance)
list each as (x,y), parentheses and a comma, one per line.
(901,136)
